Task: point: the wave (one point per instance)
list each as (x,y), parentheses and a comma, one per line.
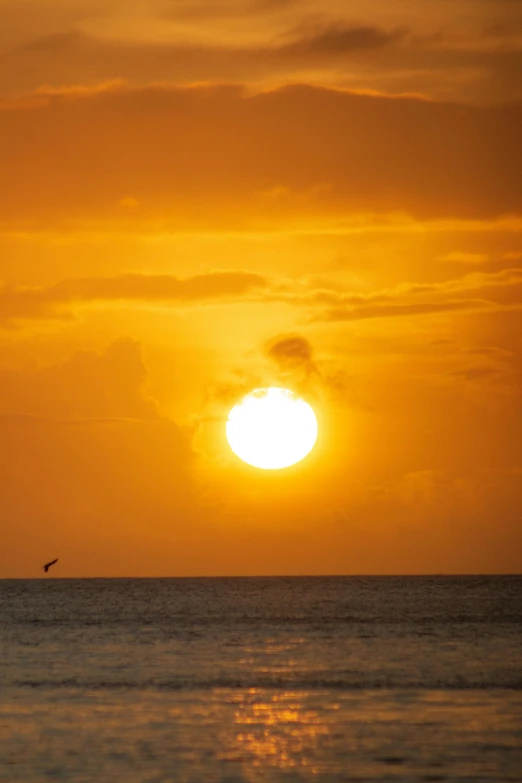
(271,683)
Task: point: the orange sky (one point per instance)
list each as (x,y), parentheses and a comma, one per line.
(201,197)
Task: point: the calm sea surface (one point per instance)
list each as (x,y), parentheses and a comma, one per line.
(296,679)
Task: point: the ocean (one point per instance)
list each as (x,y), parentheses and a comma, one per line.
(261,679)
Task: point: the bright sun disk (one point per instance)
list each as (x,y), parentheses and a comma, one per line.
(271,428)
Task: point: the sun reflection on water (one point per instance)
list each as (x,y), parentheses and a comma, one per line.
(275,730)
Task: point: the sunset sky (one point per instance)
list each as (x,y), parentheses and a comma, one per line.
(201,197)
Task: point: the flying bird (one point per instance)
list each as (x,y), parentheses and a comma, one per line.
(47,566)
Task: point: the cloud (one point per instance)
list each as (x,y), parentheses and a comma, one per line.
(55,43)
(490,351)
(285,360)
(323,379)
(477,373)
(55,301)
(290,362)
(262,41)
(364,56)
(291,351)
(421,495)
(292,356)
(397,310)
(457,257)
(45,58)
(86,458)
(339,39)
(199,157)
(224,9)
(475,292)
(86,385)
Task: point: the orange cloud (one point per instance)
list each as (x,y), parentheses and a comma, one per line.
(457,257)
(267,46)
(86,385)
(53,301)
(200,156)
(475,292)
(293,356)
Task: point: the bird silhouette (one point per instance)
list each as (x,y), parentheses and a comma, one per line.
(47,566)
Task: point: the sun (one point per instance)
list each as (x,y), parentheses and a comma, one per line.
(271,428)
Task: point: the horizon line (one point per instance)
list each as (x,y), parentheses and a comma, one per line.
(272,576)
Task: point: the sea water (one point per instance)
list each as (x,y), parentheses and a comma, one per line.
(261,679)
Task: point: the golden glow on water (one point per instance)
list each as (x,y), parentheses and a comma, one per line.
(260,680)
(276,731)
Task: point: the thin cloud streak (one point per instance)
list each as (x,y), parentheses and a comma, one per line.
(480,291)
(18,303)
